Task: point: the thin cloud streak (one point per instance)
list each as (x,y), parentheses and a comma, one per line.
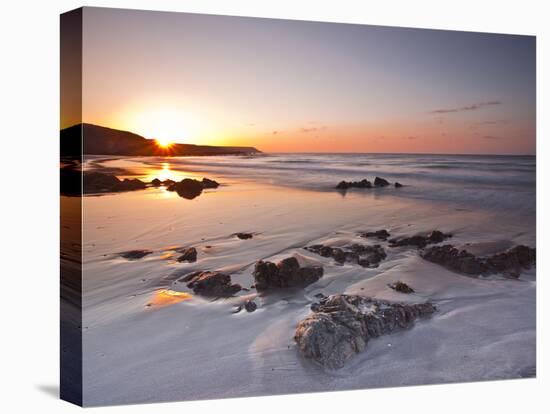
(312,129)
(472,107)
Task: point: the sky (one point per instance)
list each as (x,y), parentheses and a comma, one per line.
(298,86)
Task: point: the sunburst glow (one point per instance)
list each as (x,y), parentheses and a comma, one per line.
(164,143)
(166,125)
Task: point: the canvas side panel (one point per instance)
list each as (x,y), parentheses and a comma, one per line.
(71,207)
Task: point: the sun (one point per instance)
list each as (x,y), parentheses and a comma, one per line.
(164,143)
(167,126)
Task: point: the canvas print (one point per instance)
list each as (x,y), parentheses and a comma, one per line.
(264,206)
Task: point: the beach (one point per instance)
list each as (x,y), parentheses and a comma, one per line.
(148,336)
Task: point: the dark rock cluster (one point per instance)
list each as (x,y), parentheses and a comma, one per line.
(213,284)
(189,188)
(341,326)
(378,182)
(366,256)
(420,241)
(509,263)
(285,274)
(344,185)
(96,182)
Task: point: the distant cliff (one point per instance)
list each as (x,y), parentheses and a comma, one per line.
(98,140)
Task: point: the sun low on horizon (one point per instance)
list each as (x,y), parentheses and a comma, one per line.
(166,126)
(164,143)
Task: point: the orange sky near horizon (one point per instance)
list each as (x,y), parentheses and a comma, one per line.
(291,86)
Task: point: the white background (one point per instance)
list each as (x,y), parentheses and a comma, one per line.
(29,134)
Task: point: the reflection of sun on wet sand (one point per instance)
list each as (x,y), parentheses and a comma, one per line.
(99,179)
(168,297)
(165,172)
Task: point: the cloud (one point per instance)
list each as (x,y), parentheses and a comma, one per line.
(496,122)
(472,107)
(312,129)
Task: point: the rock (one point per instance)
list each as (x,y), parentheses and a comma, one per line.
(341,326)
(95,182)
(379,234)
(168,182)
(250,306)
(286,274)
(401,287)
(244,236)
(135,254)
(187,188)
(398,185)
(189,255)
(510,263)
(156,182)
(366,256)
(344,185)
(129,185)
(208,183)
(214,284)
(380,182)
(420,241)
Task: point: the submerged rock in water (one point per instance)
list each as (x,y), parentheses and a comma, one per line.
(420,241)
(341,326)
(344,185)
(398,185)
(510,263)
(381,182)
(208,183)
(378,182)
(188,255)
(378,234)
(366,256)
(156,182)
(244,236)
(401,287)
(285,274)
(214,284)
(135,254)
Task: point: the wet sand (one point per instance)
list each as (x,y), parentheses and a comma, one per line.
(146,337)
